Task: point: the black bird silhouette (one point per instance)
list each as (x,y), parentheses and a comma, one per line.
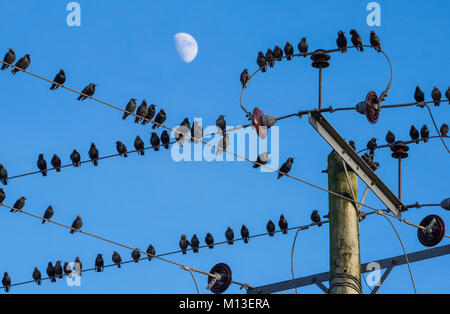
(303,46)
(245,234)
(76,158)
(22,64)
(390,137)
(18,205)
(261,61)
(58,270)
(283,224)
(37,276)
(99,263)
(136,255)
(341,41)
(315,217)
(375,41)
(196,132)
(277,53)
(117,259)
(42,165)
(150,114)
(139,145)
(443,130)
(262,159)
(78,266)
(48,214)
(76,225)
(141,112)
(209,240)
(195,243)
(155,142)
(270,228)
(288,50)
(414,134)
(3,175)
(221,124)
(9,58)
(367,158)
(436,95)
(51,272)
(245,77)
(88,91)
(6,282)
(182,131)
(286,167)
(67,269)
(419,96)
(356,40)
(424,133)
(130,108)
(60,78)
(121,149)
(352,144)
(269,57)
(372,144)
(93,154)
(375,166)
(56,163)
(183,244)
(150,252)
(447,94)
(165,139)
(3,195)
(159,119)
(229,235)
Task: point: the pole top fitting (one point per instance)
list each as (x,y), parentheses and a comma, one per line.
(320,59)
(399,150)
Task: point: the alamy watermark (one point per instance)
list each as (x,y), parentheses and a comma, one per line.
(74,17)
(374,17)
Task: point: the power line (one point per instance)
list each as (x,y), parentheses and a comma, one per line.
(405,142)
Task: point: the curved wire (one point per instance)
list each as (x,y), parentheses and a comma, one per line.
(292,258)
(437,130)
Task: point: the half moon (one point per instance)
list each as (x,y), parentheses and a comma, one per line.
(186,46)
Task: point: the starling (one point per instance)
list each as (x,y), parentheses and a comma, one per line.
(136,255)
(150,252)
(352,144)
(130,108)
(183,244)
(277,53)
(245,77)
(182,131)
(88,91)
(390,137)
(223,144)
(195,243)
(283,224)
(76,225)
(261,61)
(375,166)
(19,204)
(139,145)
(229,235)
(159,119)
(141,111)
(76,158)
(93,154)
(245,234)
(155,142)
(443,130)
(165,139)
(58,270)
(269,57)
(414,134)
(56,163)
(436,95)
(315,217)
(221,124)
(209,240)
(303,46)
(3,175)
(261,160)
(447,94)
(67,269)
(48,214)
(60,78)
(121,149)
(117,259)
(196,132)
(375,41)
(286,167)
(22,64)
(42,165)
(270,228)
(99,263)
(424,133)
(367,159)
(51,272)
(419,96)
(3,196)
(6,282)
(356,40)
(37,276)
(150,114)
(9,58)
(288,50)
(341,42)
(78,266)
(372,144)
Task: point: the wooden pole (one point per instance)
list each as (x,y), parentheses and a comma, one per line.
(345,261)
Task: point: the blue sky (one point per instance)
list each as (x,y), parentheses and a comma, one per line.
(128,49)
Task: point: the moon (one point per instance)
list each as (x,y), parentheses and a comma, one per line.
(186,46)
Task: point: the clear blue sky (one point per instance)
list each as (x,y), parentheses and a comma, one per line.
(128,48)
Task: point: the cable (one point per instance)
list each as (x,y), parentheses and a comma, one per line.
(405,142)
(437,130)
(292,258)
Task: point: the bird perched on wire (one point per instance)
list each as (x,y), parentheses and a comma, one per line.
(288,50)
(303,46)
(414,134)
(356,40)
(130,108)
(42,165)
(159,119)
(196,132)
(341,42)
(2,195)
(261,160)
(436,95)
(37,276)
(6,282)
(76,225)
(245,234)
(51,272)
(78,266)
(182,131)
(141,111)
(269,57)
(59,79)
(229,235)
(139,145)
(372,144)
(76,158)
(136,255)
(48,214)
(283,224)
(58,270)
(221,124)
(315,217)
(223,144)
(165,139)
(67,269)
(447,94)
(183,244)
(352,144)
(375,166)
(390,137)
(286,167)
(150,252)
(22,64)
(375,41)
(367,159)
(93,154)
(261,61)
(99,263)
(209,240)
(419,96)
(154,141)
(9,58)
(88,91)
(116,259)
(121,149)
(150,114)
(245,77)
(424,133)
(56,162)
(195,243)
(270,228)
(443,130)
(277,53)
(3,175)
(18,205)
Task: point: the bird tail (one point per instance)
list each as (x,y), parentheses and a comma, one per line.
(211,246)
(44,173)
(80,97)
(14,71)
(245,240)
(136,260)
(58,169)
(53,87)
(60,276)
(95,162)
(39,282)
(271,234)
(263,69)
(255,166)
(125,154)
(166,146)
(43,221)
(279,176)
(288,57)
(195,250)
(144,122)
(142,152)
(125,115)
(361,48)
(436,104)
(284,231)
(118,265)
(7,289)
(320,224)
(5,182)
(12,210)
(4,67)
(184,252)
(53,279)
(136,120)
(72,231)
(230,242)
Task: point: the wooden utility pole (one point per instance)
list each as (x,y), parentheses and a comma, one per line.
(345,261)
